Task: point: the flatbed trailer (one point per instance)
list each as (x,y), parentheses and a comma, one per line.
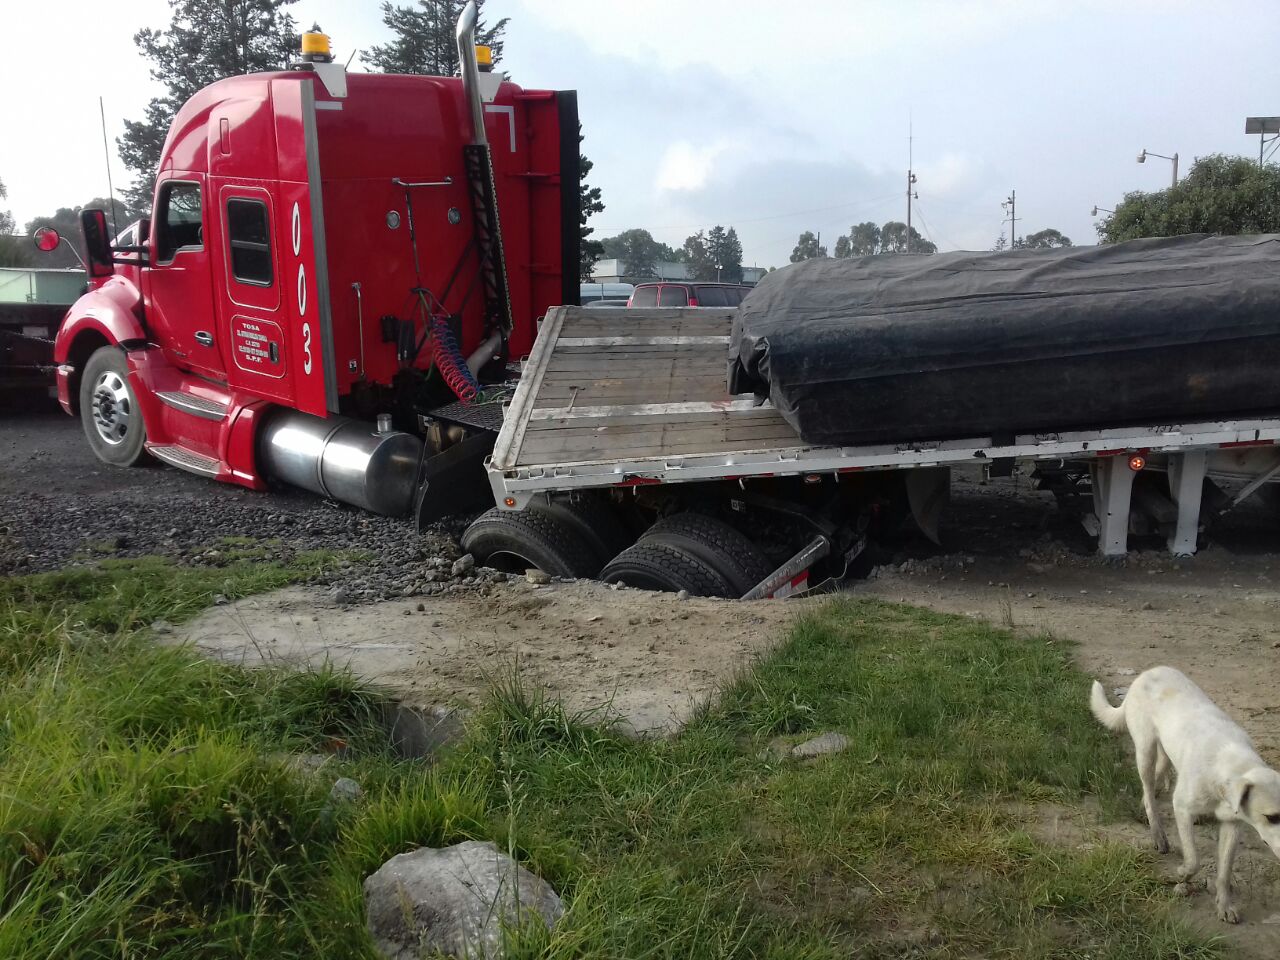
(625,400)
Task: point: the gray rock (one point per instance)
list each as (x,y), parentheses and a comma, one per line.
(830,742)
(340,596)
(455,901)
(682,594)
(345,790)
(537,577)
(161,627)
(463,565)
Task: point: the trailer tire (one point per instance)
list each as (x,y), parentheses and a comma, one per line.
(514,541)
(592,519)
(717,544)
(109,410)
(650,565)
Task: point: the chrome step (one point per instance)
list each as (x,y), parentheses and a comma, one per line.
(185,459)
(196,406)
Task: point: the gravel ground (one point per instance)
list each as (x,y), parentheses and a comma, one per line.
(60,507)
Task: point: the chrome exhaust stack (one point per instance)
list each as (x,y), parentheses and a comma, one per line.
(466,36)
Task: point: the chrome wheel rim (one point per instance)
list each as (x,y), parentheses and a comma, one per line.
(112,407)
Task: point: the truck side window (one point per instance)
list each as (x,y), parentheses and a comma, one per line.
(250,239)
(179,220)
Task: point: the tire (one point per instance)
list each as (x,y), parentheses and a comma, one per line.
(515,541)
(715,543)
(659,566)
(592,519)
(109,409)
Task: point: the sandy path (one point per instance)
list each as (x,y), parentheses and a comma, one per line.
(648,656)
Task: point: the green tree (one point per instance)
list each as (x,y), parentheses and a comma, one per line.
(893,239)
(725,253)
(697,255)
(1045,239)
(807,248)
(1221,194)
(708,249)
(12,251)
(863,240)
(589,204)
(638,251)
(205,41)
(424,39)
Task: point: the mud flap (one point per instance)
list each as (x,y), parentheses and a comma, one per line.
(454,481)
(928,491)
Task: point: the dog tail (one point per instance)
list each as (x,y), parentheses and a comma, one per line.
(1110,717)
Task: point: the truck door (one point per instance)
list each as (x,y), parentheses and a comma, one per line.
(248,292)
(178,289)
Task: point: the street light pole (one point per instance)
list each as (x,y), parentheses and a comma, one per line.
(1012,206)
(1142,158)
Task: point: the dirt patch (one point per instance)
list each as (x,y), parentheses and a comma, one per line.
(1215,616)
(1257,872)
(648,657)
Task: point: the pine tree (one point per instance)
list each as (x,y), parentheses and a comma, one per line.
(206,40)
(425,41)
(589,203)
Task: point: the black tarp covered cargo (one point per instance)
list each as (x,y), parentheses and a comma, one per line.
(897,348)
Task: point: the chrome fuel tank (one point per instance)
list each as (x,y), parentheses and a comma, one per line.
(348,460)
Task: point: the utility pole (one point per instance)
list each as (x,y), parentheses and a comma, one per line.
(911,179)
(1012,206)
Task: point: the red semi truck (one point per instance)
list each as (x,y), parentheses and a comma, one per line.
(324,265)
(324,295)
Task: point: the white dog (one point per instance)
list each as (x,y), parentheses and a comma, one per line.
(1173,723)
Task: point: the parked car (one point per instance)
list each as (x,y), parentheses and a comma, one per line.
(610,303)
(688,294)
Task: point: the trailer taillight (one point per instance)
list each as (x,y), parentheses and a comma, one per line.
(1137,462)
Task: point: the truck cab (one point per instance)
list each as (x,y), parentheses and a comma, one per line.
(323,245)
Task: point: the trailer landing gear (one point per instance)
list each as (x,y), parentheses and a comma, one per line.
(1113,494)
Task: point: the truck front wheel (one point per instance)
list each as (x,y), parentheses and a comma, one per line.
(109,410)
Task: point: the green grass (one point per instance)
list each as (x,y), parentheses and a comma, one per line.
(145,811)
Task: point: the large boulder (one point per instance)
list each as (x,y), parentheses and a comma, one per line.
(454,901)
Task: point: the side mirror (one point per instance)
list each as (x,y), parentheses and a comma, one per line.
(97,243)
(47,239)
(144,231)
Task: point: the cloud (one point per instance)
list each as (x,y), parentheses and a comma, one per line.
(687,166)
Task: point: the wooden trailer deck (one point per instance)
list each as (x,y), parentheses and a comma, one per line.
(635,385)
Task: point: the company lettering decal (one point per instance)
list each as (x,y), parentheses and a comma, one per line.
(302,288)
(257,346)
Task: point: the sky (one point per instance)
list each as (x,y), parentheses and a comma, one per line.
(771,118)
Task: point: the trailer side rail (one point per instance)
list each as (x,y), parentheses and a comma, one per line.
(638,397)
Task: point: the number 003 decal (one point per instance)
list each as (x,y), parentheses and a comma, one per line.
(302,288)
